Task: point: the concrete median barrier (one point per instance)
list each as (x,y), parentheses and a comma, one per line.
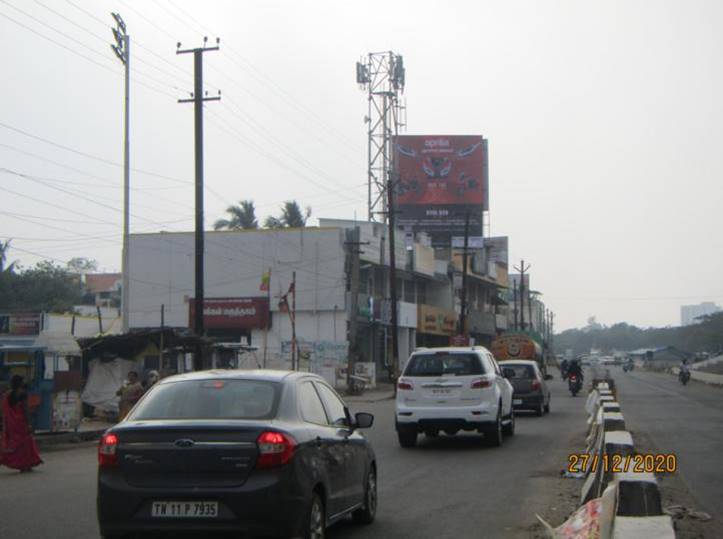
(608,449)
(638,494)
(613,421)
(660,527)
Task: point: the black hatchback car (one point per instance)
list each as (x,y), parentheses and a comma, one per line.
(260,453)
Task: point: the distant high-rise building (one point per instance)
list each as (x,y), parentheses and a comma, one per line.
(689,313)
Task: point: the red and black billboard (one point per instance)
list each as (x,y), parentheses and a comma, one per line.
(232,313)
(20,323)
(441,180)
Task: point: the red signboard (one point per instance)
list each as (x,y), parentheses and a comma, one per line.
(232,313)
(20,324)
(442,179)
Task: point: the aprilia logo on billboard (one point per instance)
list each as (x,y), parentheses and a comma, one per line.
(436,143)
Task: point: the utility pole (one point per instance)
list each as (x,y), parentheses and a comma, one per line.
(268,315)
(122,50)
(514,300)
(463,313)
(393,281)
(352,243)
(162,343)
(294,350)
(523,269)
(198,100)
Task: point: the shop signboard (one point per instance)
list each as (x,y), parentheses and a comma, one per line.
(232,313)
(26,323)
(443,180)
(436,321)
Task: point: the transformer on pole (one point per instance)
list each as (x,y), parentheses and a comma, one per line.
(381,74)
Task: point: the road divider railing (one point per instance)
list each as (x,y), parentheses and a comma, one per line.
(620,498)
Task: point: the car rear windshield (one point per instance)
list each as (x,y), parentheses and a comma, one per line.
(441,364)
(210,399)
(520,371)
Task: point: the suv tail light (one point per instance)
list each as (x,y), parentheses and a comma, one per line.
(107,450)
(405,385)
(275,449)
(481,383)
(536,384)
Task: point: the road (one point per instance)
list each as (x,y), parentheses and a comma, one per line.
(444,488)
(685,420)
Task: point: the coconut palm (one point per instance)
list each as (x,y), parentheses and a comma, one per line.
(4,249)
(291,216)
(242,217)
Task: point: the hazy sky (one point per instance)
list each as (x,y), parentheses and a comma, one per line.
(604,118)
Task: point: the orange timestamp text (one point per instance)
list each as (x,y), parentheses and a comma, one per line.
(647,462)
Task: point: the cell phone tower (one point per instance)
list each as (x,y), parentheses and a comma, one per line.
(381,74)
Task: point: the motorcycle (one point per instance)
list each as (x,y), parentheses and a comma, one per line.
(628,367)
(683,377)
(574,384)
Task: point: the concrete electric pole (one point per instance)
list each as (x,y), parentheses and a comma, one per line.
(122,50)
(198,99)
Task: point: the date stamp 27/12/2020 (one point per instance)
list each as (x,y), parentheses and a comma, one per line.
(649,462)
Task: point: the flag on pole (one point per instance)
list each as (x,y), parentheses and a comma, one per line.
(265,281)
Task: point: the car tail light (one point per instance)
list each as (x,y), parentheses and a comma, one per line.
(481,383)
(275,449)
(108,450)
(405,385)
(536,384)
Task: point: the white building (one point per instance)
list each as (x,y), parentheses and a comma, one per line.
(689,313)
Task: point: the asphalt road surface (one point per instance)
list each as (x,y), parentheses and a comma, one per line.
(684,420)
(445,488)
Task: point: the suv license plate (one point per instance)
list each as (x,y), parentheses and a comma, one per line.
(516,401)
(184,510)
(441,391)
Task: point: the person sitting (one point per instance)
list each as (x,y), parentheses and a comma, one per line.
(575,369)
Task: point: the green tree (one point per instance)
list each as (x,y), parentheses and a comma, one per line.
(82,265)
(241,217)
(44,287)
(291,216)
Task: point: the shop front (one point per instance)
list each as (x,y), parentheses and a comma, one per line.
(20,354)
(435,325)
(232,320)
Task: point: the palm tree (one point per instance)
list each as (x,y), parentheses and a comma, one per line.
(242,217)
(4,249)
(291,216)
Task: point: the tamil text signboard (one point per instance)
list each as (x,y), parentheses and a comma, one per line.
(232,313)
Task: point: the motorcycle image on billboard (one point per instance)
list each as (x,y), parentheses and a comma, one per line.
(441,180)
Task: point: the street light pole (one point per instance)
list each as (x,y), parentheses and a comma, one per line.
(122,50)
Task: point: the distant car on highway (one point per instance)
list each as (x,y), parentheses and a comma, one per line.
(453,389)
(530,388)
(269,453)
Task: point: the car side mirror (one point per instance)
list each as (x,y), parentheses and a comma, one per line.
(363,420)
(549,377)
(508,373)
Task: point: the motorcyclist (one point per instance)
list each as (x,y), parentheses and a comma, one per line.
(563,368)
(684,369)
(630,364)
(575,369)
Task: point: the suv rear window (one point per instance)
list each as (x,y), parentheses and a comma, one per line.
(210,399)
(441,364)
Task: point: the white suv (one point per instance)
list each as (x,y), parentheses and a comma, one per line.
(453,389)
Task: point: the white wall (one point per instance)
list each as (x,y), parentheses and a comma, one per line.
(162,270)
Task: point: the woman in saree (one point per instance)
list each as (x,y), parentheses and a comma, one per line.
(17,446)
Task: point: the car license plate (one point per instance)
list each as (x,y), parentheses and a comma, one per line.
(516,401)
(184,510)
(441,391)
